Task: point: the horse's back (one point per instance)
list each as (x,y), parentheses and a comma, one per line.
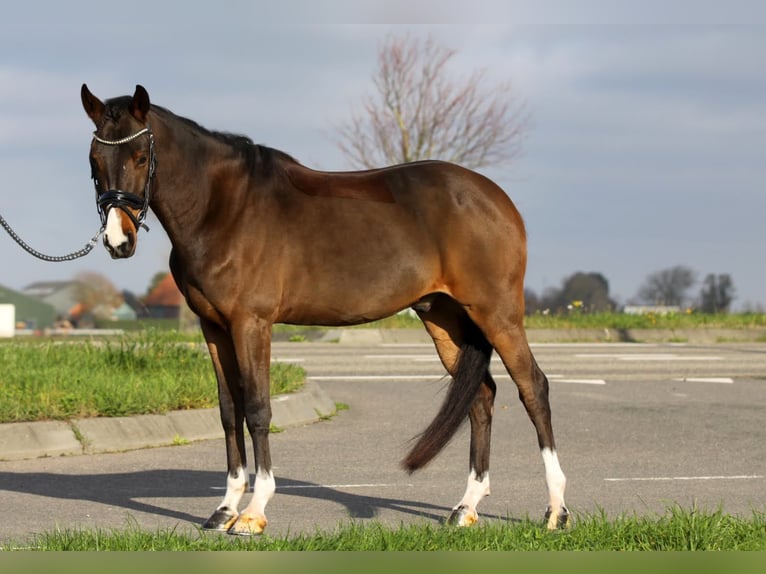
(433,187)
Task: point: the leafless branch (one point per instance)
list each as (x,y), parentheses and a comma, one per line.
(418,112)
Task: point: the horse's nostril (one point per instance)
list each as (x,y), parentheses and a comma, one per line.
(123,248)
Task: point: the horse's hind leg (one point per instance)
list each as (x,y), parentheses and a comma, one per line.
(449,325)
(464,514)
(512,346)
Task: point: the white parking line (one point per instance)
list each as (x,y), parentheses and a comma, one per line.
(375,377)
(436,377)
(682,478)
(411,357)
(647,357)
(350,486)
(578,381)
(719,380)
(319,486)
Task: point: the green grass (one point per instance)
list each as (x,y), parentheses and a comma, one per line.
(677,530)
(148,372)
(577,319)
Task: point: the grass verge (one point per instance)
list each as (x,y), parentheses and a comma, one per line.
(677,530)
(579,319)
(146,373)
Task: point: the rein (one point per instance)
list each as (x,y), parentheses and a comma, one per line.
(124,199)
(104,202)
(51,258)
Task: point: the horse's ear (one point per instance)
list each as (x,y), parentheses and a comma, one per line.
(139,105)
(93,106)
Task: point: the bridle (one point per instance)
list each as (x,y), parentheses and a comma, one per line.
(124,199)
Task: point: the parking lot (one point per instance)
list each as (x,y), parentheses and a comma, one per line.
(639,428)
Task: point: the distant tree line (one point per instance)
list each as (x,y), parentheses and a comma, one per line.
(666,287)
(581,291)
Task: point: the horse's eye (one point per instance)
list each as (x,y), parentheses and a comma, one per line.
(141,160)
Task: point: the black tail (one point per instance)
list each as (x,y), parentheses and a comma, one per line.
(472,369)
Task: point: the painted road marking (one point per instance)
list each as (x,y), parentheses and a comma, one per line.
(719,380)
(411,357)
(317,486)
(435,377)
(562,379)
(682,478)
(362,485)
(647,357)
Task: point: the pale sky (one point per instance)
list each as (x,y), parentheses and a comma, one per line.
(645,150)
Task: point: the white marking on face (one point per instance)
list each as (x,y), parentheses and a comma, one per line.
(114,234)
(554,477)
(236,486)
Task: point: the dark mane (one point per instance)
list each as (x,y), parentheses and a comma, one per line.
(260,160)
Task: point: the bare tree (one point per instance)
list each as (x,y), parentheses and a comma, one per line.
(97,294)
(667,286)
(418,112)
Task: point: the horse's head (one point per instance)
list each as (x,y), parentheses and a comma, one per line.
(122,163)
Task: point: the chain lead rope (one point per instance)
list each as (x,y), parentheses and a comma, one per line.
(120,196)
(52,258)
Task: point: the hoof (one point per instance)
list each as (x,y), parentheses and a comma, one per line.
(558,521)
(222,520)
(248,526)
(462,516)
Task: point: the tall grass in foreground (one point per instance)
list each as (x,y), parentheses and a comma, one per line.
(150,372)
(678,529)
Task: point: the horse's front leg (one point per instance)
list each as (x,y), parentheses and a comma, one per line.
(231,404)
(252,340)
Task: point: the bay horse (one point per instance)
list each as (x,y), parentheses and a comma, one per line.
(258,239)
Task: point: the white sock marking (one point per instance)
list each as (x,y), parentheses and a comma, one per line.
(264,489)
(236,486)
(475,490)
(554,478)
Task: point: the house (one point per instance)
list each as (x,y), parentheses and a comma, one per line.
(165,300)
(31,313)
(124,312)
(79,302)
(62,295)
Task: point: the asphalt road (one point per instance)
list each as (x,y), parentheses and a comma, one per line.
(639,428)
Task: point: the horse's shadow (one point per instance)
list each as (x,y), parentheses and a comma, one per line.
(126,490)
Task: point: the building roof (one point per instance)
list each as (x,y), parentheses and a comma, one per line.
(165,294)
(45,288)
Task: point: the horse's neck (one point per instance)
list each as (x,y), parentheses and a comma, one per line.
(182,182)
(188,169)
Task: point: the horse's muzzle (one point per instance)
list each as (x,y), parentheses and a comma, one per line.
(123,249)
(119,238)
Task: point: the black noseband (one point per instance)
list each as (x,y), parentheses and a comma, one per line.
(123,200)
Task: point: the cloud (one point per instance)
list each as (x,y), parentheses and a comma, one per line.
(645,143)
